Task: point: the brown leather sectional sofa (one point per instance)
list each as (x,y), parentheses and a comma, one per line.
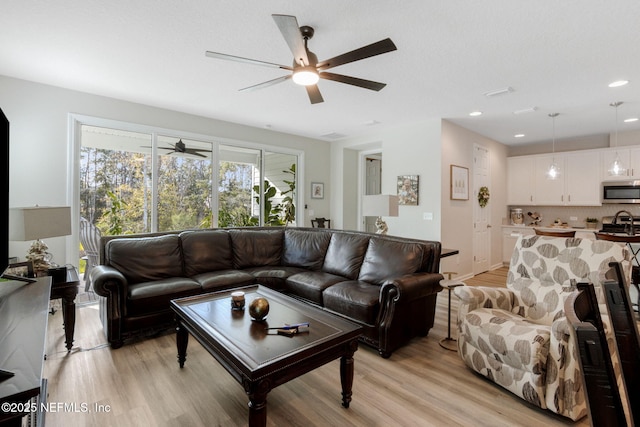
(386,284)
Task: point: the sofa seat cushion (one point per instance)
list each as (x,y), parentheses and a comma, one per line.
(508,338)
(355,299)
(311,284)
(148,297)
(272,276)
(223,279)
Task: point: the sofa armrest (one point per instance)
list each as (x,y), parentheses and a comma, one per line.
(411,286)
(106,280)
(473,297)
(564,392)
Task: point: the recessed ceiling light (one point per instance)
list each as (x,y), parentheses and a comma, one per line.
(519,135)
(618,83)
(631,119)
(475,113)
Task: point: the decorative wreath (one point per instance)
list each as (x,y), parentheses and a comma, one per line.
(483,196)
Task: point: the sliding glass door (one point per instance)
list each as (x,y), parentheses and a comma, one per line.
(136,182)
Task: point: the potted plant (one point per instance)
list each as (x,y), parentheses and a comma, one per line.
(591,222)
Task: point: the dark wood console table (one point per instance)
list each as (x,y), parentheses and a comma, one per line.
(24,311)
(67,291)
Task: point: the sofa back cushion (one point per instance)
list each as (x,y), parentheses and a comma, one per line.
(146,258)
(542,269)
(305,249)
(345,254)
(256,248)
(387,259)
(205,251)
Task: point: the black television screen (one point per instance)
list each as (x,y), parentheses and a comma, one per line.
(4,192)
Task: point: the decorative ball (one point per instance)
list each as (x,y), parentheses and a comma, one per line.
(259,308)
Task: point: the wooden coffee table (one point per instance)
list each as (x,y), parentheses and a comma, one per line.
(257,358)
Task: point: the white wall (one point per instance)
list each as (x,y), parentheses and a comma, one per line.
(407,150)
(457,226)
(39,159)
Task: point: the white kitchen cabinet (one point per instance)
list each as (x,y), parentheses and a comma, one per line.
(578,184)
(582,185)
(630,159)
(520,182)
(509,238)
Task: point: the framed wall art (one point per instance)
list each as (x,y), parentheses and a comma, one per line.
(317,190)
(459,183)
(408,190)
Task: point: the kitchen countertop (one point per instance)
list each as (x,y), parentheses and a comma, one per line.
(550,227)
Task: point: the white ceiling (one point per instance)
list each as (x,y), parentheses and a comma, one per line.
(558,56)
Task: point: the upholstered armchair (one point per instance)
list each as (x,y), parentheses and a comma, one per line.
(518,337)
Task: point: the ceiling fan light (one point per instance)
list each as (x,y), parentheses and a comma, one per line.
(306,76)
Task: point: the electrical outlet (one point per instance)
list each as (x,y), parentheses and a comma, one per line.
(573,218)
(311,212)
(427,216)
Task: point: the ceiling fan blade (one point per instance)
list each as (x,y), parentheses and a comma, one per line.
(246,60)
(377,48)
(367,84)
(267,83)
(195,152)
(159,148)
(314,94)
(290,30)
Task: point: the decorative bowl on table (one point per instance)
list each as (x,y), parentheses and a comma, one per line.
(259,308)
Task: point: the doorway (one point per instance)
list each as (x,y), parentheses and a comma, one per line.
(372,185)
(481,215)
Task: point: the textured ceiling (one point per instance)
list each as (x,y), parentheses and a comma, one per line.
(557,56)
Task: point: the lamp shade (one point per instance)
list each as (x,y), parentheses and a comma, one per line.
(380,205)
(39,222)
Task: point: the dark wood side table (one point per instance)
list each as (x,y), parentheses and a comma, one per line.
(67,291)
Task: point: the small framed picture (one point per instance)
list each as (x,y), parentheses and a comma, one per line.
(408,189)
(317,190)
(459,183)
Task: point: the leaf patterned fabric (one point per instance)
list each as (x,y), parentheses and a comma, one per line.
(518,337)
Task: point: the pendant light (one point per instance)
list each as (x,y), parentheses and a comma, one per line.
(616,168)
(554,171)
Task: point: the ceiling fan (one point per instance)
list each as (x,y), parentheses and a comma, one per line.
(306,69)
(180,147)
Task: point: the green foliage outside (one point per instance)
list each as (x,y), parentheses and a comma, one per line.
(115,193)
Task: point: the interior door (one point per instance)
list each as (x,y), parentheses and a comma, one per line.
(481,216)
(373,169)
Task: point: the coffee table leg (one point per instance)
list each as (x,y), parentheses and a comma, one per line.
(346,378)
(258,402)
(182,339)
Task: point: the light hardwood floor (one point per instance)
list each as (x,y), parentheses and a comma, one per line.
(140,384)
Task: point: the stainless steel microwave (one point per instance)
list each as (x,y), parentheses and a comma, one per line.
(621,192)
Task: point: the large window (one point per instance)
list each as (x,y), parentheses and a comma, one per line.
(134,182)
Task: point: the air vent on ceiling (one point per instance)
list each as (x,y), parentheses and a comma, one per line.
(333,135)
(498,92)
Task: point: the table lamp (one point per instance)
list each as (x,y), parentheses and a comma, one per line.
(35,223)
(380,205)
